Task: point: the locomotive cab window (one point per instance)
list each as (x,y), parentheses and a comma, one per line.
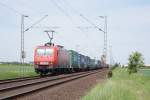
(47,52)
(40,51)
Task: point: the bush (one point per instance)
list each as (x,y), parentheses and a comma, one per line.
(109,74)
(135,61)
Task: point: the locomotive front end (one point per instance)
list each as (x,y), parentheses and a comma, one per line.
(44,59)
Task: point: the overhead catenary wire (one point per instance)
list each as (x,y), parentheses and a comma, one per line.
(72,9)
(17,12)
(10,8)
(64,2)
(13,10)
(61,2)
(65,13)
(91,23)
(82,16)
(61,9)
(68,4)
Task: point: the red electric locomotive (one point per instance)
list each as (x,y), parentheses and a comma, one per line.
(50,58)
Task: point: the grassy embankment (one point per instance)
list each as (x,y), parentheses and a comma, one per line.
(123,86)
(9,71)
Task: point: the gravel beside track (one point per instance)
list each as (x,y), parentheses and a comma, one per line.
(13,90)
(72,90)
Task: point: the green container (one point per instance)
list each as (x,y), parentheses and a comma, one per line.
(92,63)
(73,58)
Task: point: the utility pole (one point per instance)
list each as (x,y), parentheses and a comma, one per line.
(22,39)
(104,56)
(22,43)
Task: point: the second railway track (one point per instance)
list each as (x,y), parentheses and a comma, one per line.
(18,79)
(14,89)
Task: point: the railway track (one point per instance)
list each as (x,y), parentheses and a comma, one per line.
(18,79)
(24,79)
(17,88)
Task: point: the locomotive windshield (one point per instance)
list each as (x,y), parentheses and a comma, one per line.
(49,51)
(46,52)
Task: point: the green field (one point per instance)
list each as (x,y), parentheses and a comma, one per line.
(9,71)
(122,86)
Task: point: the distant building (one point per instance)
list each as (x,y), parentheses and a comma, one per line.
(147,65)
(125,65)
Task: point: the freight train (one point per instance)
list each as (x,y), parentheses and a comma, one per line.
(50,58)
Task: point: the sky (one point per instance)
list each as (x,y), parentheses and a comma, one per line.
(128,27)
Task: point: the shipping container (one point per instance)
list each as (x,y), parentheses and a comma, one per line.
(87,61)
(92,63)
(73,59)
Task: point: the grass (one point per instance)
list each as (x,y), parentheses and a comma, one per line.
(122,86)
(9,71)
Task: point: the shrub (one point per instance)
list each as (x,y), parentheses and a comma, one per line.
(135,61)
(109,74)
